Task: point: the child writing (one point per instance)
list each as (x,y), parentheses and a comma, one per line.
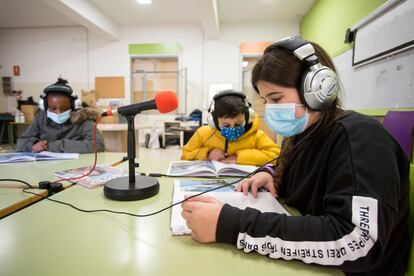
(61,125)
(343,171)
(233,135)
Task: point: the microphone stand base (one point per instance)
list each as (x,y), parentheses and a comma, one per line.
(120,188)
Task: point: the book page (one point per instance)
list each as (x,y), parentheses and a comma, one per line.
(17,157)
(233,169)
(264,202)
(193,168)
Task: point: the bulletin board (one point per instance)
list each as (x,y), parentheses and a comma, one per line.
(110,87)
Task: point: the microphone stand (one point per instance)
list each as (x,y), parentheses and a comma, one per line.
(131,187)
(131,148)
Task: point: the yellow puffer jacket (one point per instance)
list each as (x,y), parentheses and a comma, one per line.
(252,148)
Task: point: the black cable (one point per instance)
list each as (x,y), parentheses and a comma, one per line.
(25,190)
(189,176)
(174,204)
(17,180)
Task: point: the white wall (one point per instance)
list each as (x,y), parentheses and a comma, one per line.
(222,55)
(42,54)
(45,53)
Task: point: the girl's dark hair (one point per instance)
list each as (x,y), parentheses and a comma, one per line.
(229,106)
(281,67)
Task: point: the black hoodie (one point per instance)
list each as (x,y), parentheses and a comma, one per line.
(352,187)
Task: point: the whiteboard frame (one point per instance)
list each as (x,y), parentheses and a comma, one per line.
(384,54)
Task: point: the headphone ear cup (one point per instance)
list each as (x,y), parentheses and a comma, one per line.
(210,120)
(77,103)
(250,113)
(41,104)
(319,88)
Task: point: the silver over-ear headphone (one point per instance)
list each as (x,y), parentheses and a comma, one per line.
(61,87)
(212,117)
(320,84)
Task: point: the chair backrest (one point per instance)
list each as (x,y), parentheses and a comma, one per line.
(401,125)
(410,271)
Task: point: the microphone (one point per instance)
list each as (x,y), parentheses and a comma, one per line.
(165,101)
(136,187)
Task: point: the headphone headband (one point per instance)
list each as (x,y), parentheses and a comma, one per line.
(60,87)
(320,84)
(300,48)
(229,92)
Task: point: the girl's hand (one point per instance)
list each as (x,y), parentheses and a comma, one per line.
(40,146)
(231,159)
(259,180)
(201,214)
(216,155)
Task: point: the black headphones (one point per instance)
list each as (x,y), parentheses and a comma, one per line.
(212,117)
(320,85)
(61,87)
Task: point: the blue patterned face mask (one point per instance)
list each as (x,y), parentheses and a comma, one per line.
(232,133)
(59,118)
(282,120)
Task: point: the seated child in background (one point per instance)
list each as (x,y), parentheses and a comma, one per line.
(232,135)
(61,125)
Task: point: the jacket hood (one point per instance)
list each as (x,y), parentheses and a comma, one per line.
(83,114)
(254,127)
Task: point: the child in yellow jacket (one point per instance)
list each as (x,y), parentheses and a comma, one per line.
(233,134)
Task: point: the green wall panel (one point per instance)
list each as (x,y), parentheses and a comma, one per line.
(154,48)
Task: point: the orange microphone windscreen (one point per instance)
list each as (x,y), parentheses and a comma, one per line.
(166,101)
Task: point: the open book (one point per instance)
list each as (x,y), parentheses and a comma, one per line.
(208,168)
(100,175)
(265,202)
(34,156)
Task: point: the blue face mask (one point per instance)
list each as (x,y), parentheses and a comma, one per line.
(281,119)
(232,133)
(59,118)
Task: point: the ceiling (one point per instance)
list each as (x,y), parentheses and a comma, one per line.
(119,13)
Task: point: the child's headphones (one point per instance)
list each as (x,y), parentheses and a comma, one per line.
(320,85)
(212,117)
(61,87)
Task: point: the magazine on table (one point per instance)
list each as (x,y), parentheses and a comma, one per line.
(36,156)
(208,168)
(265,201)
(100,175)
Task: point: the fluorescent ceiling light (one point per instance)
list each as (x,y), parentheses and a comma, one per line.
(144,2)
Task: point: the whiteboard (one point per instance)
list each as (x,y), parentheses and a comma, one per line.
(388,33)
(387,83)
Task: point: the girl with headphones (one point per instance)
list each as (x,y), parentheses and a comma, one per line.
(341,170)
(233,134)
(61,125)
